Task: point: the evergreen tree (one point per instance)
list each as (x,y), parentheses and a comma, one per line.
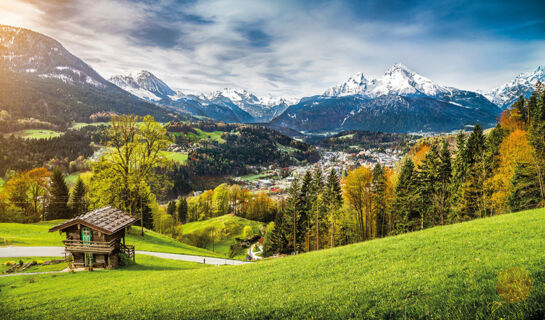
(493,143)
(427,183)
(171,208)
(291,220)
(444,178)
(333,200)
(521,109)
(303,206)
(317,204)
(58,202)
(379,200)
(525,193)
(404,208)
(537,140)
(280,236)
(78,201)
(181,210)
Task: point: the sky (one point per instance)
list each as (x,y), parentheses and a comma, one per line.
(293,48)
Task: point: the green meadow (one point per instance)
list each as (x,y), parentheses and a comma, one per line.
(226,229)
(36,134)
(492,268)
(37,234)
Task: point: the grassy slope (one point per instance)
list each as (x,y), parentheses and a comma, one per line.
(37,234)
(179,157)
(445,272)
(222,246)
(36,134)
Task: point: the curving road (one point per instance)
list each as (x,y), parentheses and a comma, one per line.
(14,252)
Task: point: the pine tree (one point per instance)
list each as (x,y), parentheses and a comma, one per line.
(334,200)
(171,208)
(537,140)
(317,204)
(525,193)
(521,109)
(444,178)
(304,207)
(181,210)
(427,183)
(78,201)
(379,200)
(58,203)
(404,208)
(291,220)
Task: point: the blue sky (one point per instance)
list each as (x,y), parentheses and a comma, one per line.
(293,48)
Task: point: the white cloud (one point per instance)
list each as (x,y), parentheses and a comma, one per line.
(310,48)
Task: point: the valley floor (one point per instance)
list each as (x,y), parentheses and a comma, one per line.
(484,269)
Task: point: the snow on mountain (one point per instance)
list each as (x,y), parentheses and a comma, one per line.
(144,85)
(523,84)
(398,80)
(25,51)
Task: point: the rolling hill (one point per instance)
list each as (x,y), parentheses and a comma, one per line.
(483,269)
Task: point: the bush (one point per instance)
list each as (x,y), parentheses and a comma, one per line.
(124,259)
(235,250)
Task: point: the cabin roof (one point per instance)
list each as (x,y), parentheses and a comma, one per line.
(107,220)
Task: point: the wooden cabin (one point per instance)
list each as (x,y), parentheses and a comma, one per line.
(97,238)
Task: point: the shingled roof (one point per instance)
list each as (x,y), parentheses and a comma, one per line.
(107,220)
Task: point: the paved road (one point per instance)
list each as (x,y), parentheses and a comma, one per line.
(13,251)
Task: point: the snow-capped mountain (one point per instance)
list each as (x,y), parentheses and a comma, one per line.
(400,101)
(41,79)
(25,51)
(231,105)
(523,85)
(398,80)
(144,85)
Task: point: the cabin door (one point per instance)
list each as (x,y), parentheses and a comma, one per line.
(86,238)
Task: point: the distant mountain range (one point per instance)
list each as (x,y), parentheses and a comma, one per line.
(232,105)
(523,85)
(41,79)
(399,101)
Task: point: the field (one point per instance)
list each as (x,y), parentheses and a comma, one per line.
(229,226)
(483,269)
(176,156)
(37,234)
(254,177)
(35,134)
(79,125)
(201,135)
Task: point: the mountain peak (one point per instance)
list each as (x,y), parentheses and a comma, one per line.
(399,67)
(144,85)
(397,80)
(523,84)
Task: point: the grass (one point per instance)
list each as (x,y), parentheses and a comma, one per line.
(232,223)
(35,268)
(72,178)
(2,183)
(79,125)
(448,272)
(37,234)
(176,156)
(36,134)
(201,135)
(254,177)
